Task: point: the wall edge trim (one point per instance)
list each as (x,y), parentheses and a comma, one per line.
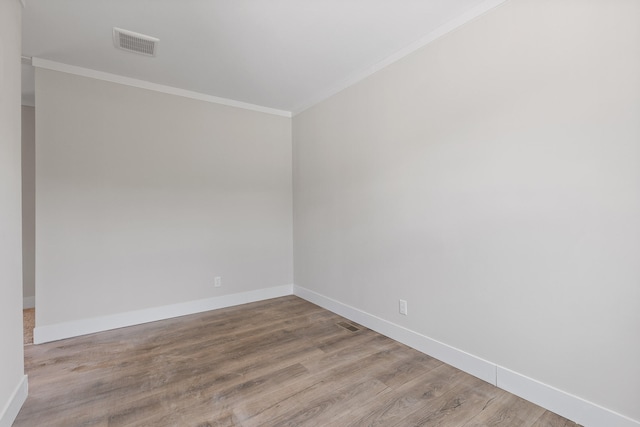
(13,406)
(566,404)
(156,87)
(562,403)
(58,331)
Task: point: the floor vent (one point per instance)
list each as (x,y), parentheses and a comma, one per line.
(134,42)
(348,326)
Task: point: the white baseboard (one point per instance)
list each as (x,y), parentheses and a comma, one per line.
(58,331)
(28,302)
(574,408)
(464,361)
(569,406)
(17,399)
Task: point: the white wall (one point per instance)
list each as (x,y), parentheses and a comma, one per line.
(12,379)
(28,205)
(491,179)
(144,197)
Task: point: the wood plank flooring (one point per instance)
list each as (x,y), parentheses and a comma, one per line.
(281,362)
(28,323)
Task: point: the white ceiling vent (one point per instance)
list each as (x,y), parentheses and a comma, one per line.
(134,42)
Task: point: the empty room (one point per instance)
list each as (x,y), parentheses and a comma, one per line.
(320,213)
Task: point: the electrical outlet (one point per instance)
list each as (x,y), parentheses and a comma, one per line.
(217,282)
(403,307)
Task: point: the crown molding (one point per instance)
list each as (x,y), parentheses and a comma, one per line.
(450,26)
(128,81)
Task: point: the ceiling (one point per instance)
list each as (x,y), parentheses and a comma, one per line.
(280,54)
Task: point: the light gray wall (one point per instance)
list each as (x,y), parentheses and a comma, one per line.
(28,202)
(143,198)
(11,355)
(491,179)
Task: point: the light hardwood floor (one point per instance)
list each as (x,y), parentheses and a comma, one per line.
(273,363)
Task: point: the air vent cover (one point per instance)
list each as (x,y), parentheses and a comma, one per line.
(134,42)
(348,326)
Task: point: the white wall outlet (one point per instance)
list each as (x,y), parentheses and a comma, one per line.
(217,282)
(403,307)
